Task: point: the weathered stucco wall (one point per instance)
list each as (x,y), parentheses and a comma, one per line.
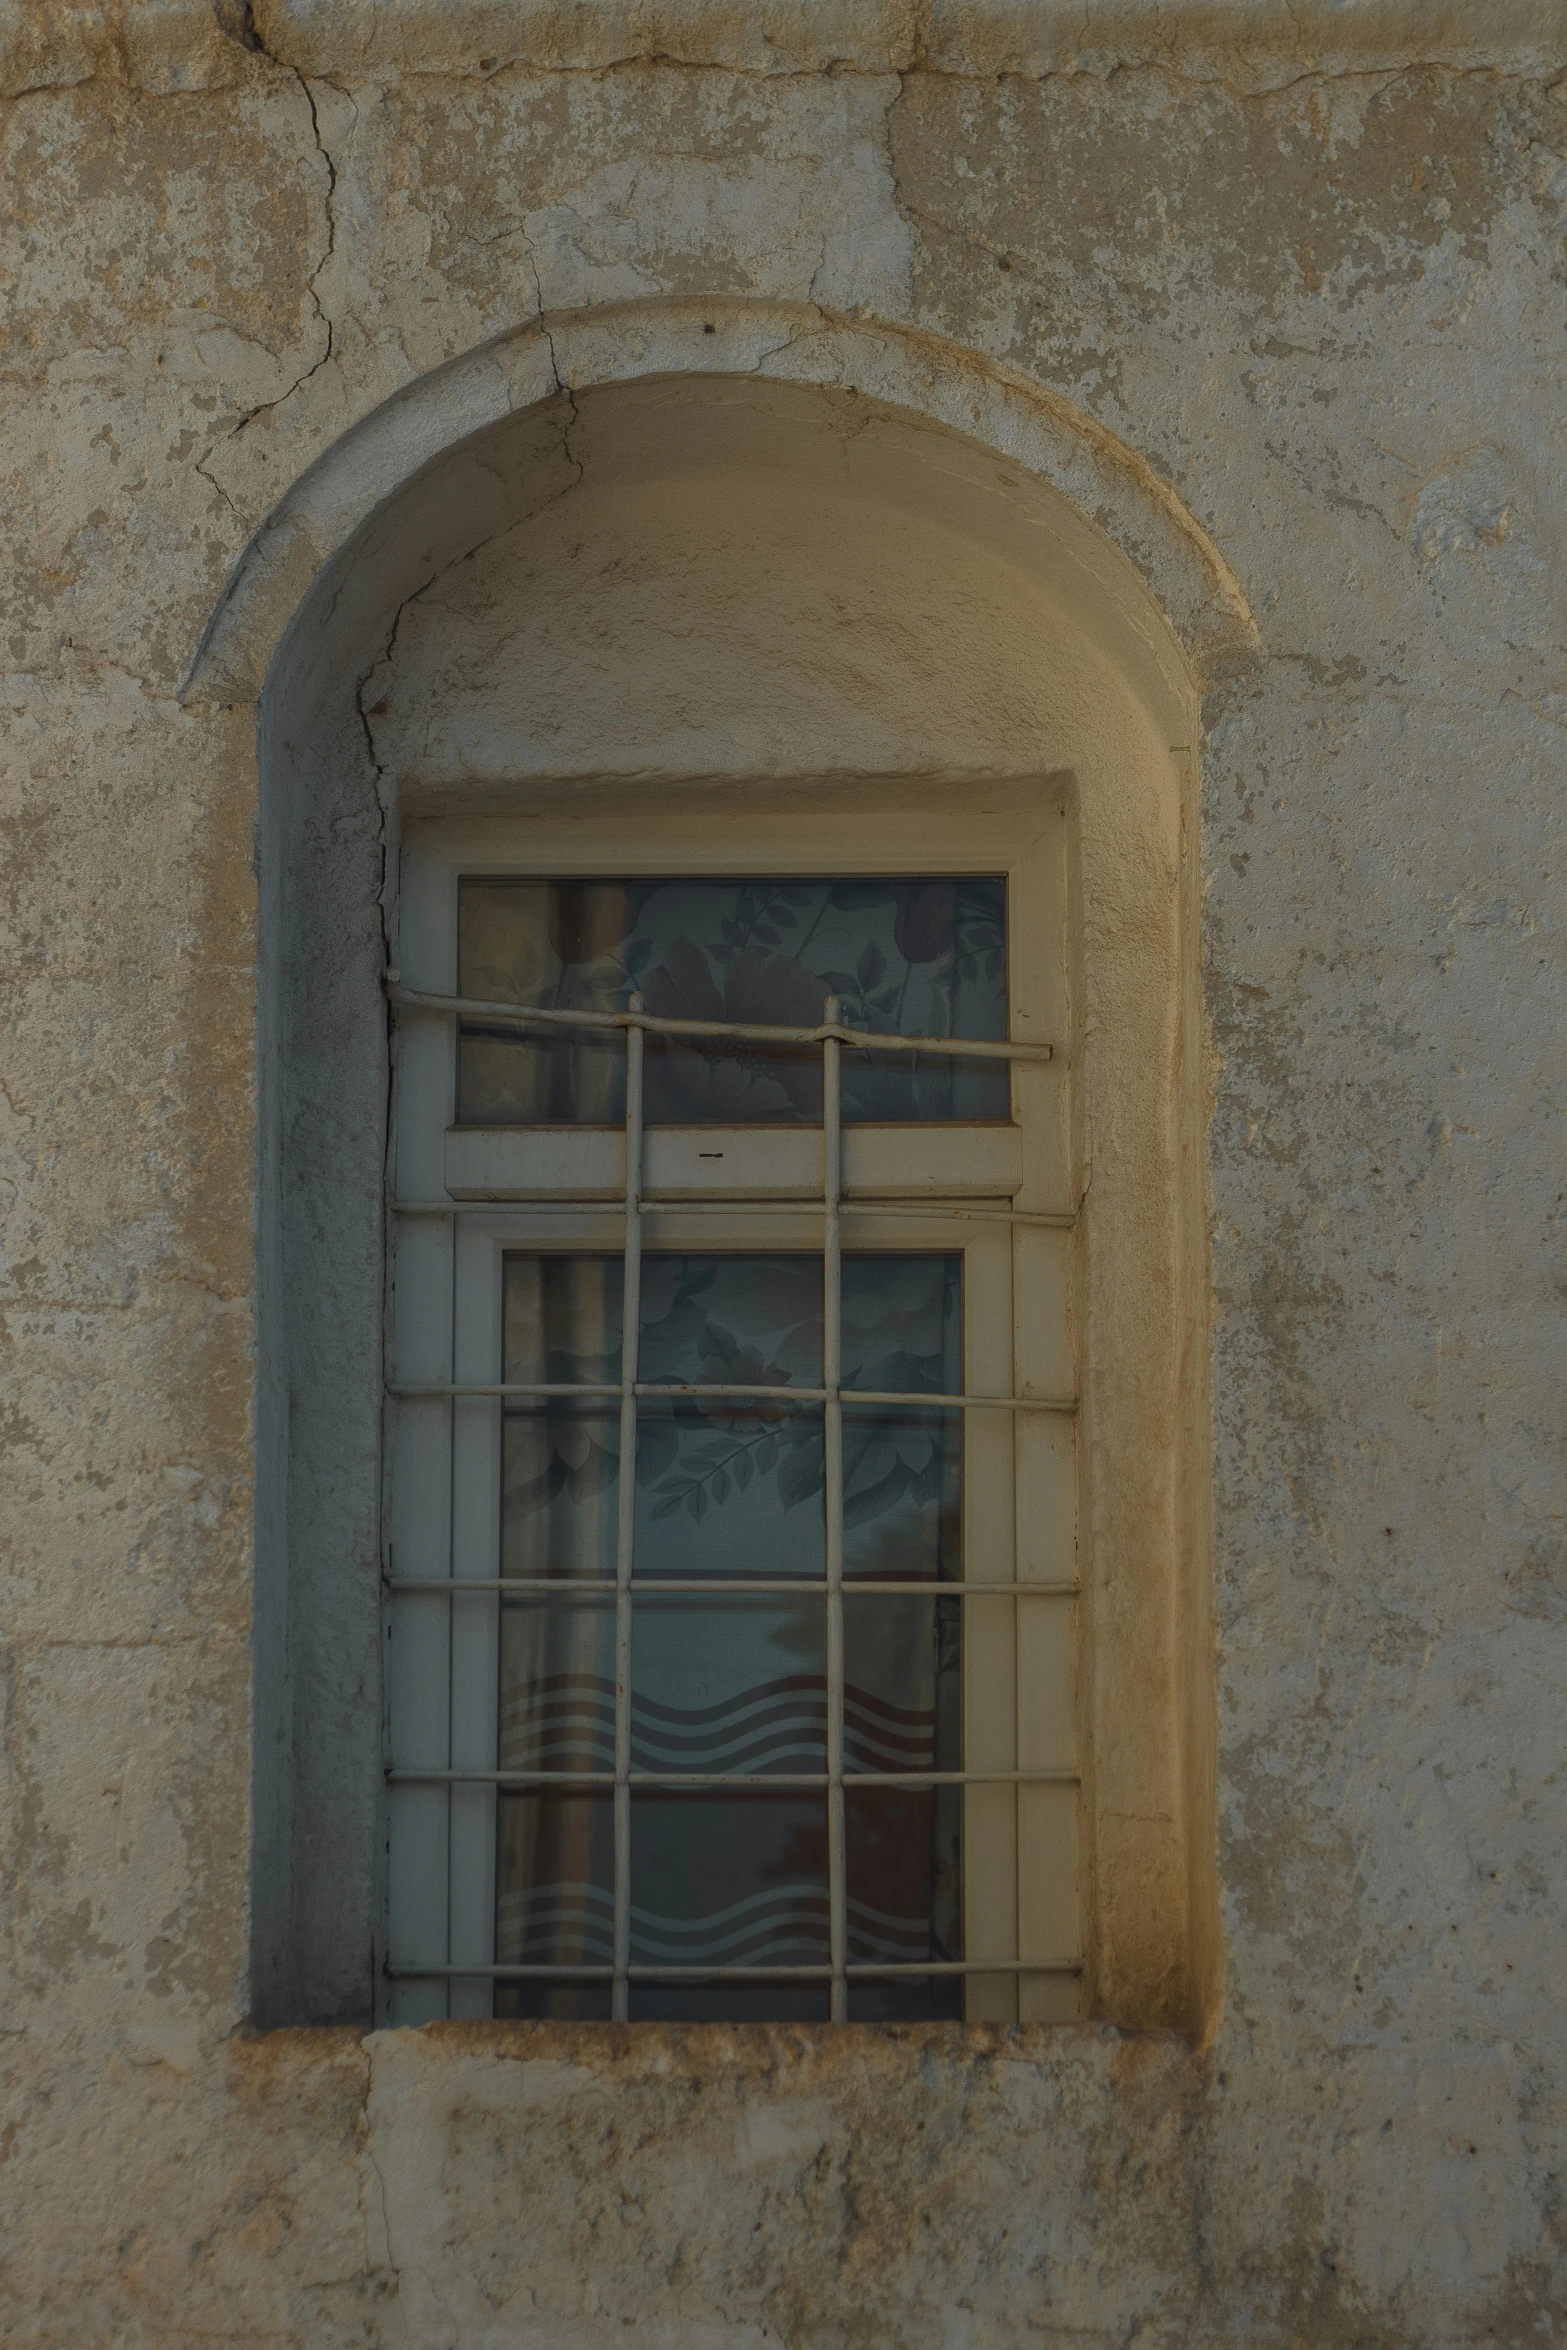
(1308,267)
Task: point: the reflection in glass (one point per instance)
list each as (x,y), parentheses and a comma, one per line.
(734,1487)
(923,956)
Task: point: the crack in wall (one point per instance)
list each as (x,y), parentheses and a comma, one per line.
(210,477)
(890,149)
(1279,58)
(367,2127)
(323,317)
(241,28)
(1329,74)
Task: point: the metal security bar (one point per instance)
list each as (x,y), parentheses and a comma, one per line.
(626,1513)
(888,1206)
(832,1416)
(592,1586)
(635,1020)
(832,1036)
(841,1778)
(868,1972)
(913,1397)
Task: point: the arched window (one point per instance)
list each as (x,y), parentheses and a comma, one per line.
(738,1553)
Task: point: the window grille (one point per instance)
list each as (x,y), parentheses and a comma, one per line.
(628,1394)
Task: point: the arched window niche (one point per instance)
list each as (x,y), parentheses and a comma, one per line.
(693,590)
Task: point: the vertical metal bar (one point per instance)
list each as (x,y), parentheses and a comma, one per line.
(626,1515)
(832,1414)
(451,1596)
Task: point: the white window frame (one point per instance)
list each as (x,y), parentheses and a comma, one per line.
(1002,1194)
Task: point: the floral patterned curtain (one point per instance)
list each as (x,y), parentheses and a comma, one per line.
(731,1487)
(920,957)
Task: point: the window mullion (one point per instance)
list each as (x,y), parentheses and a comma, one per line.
(832,1459)
(626,1516)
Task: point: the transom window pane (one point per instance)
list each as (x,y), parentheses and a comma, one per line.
(910,957)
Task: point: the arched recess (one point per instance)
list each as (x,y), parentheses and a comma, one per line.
(752,552)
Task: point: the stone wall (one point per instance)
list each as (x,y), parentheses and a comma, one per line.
(1300,271)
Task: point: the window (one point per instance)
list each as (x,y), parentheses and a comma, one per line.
(731,1565)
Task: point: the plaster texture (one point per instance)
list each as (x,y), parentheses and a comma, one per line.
(1296,281)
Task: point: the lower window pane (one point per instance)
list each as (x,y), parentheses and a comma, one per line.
(732,1685)
(728,1879)
(905,1878)
(910,1999)
(561,2002)
(560,1457)
(557,1692)
(730,1485)
(727,1683)
(554,1897)
(902,1467)
(903,1683)
(733,2003)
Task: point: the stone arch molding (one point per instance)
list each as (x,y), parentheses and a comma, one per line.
(1144,533)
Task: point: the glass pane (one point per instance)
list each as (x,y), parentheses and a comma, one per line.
(731,1485)
(557,1698)
(903,1683)
(902,1466)
(561,1456)
(904,1878)
(903,1711)
(729,1685)
(903,1664)
(554,1898)
(911,956)
(776,2002)
(735,1879)
(554,1856)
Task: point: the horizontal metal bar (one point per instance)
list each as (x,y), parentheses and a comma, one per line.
(539,1016)
(435,1390)
(538,1390)
(963,1403)
(397,1778)
(961,1778)
(596,1587)
(527,1388)
(443,1970)
(1051,1222)
(722,1204)
(870,1972)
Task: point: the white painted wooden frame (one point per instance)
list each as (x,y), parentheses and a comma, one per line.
(980,1189)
